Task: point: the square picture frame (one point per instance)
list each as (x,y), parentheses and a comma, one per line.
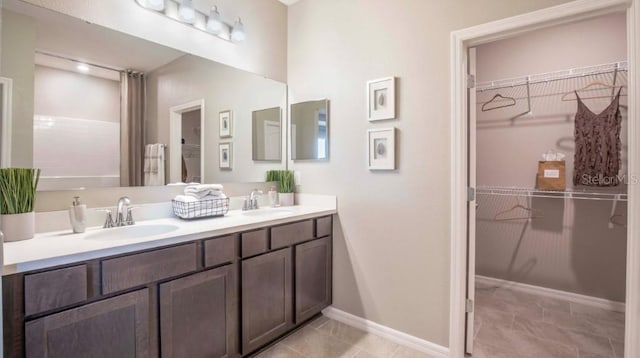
(381,146)
(225,155)
(225,121)
(381,99)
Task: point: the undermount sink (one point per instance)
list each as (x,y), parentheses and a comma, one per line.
(268,212)
(131,232)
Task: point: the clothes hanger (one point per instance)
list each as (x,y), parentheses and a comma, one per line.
(566,97)
(532,213)
(498,96)
(613,222)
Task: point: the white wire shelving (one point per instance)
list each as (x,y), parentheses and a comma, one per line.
(603,194)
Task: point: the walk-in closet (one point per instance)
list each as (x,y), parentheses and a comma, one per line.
(550,222)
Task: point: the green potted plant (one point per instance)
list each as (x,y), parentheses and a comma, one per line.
(286,185)
(18,192)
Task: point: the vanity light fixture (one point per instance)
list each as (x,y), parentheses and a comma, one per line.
(186,12)
(183,11)
(157,5)
(237,34)
(214,24)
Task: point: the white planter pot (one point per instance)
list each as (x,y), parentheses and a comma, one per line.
(17,227)
(286,199)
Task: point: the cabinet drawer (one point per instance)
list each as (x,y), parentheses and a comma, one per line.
(323,226)
(285,235)
(134,270)
(219,250)
(254,242)
(53,289)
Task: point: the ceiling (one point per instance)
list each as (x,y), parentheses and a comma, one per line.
(288,2)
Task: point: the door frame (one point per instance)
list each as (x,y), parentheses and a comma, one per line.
(175,139)
(7,103)
(463,39)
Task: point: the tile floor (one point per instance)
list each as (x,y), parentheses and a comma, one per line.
(326,338)
(512,324)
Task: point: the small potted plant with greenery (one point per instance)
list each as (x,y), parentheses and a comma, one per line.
(286,185)
(18,191)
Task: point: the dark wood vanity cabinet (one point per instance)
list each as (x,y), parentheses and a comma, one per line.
(199,315)
(116,327)
(313,278)
(287,285)
(221,297)
(267,298)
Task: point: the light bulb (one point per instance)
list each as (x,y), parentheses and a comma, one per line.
(214,24)
(157,5)
(186,11)
(237,34)
(82,68)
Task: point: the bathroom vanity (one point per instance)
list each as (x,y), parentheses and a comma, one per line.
(222,287)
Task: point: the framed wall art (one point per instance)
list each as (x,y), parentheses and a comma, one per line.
(225,155)
(381,99)
(226,124)
(382,148)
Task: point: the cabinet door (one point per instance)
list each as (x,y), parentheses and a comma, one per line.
(313,277)
(117,327)
(199,315)
(266,298)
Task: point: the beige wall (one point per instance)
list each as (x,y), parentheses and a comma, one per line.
(17,63)
(571,247)
(391,255)
(263,52)
(191,78)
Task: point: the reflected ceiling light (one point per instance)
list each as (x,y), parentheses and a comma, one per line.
(157,5)
(184,12)
(214,24)
(82,68)
(237,34)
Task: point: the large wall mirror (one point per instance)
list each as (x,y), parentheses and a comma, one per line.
(87,101)
(310,130)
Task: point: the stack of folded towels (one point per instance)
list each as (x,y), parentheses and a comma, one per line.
(201,192)
(202,200)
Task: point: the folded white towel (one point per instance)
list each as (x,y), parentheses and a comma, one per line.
(186,199)
(204,194)
(203,187)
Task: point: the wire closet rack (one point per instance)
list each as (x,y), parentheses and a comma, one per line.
(601,195)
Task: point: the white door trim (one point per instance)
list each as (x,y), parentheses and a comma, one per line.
(7,104)
(477,35)
(175,139)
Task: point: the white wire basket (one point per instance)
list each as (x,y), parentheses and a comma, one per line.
(201,209)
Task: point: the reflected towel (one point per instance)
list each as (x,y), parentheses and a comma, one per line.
(154,164)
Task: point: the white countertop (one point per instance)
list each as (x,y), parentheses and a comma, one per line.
(62,247)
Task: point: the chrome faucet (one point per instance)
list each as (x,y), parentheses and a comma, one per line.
(251,202)
(122,207)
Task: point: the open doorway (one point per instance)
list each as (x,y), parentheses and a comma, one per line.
(519,265)
(186,159)
(550,245)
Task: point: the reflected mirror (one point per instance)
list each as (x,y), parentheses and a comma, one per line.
(310,130)
(88,103)
(267,139)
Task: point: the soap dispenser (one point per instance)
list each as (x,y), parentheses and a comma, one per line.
(78,215)
(273,197)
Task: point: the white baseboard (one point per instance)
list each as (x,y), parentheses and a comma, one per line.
(391,334)
(557,294)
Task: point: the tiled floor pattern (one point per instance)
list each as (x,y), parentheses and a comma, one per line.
(326,338)
(513,324)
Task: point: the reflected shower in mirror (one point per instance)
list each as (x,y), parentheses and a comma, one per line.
(310,130)
(267,138)
(87,100)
